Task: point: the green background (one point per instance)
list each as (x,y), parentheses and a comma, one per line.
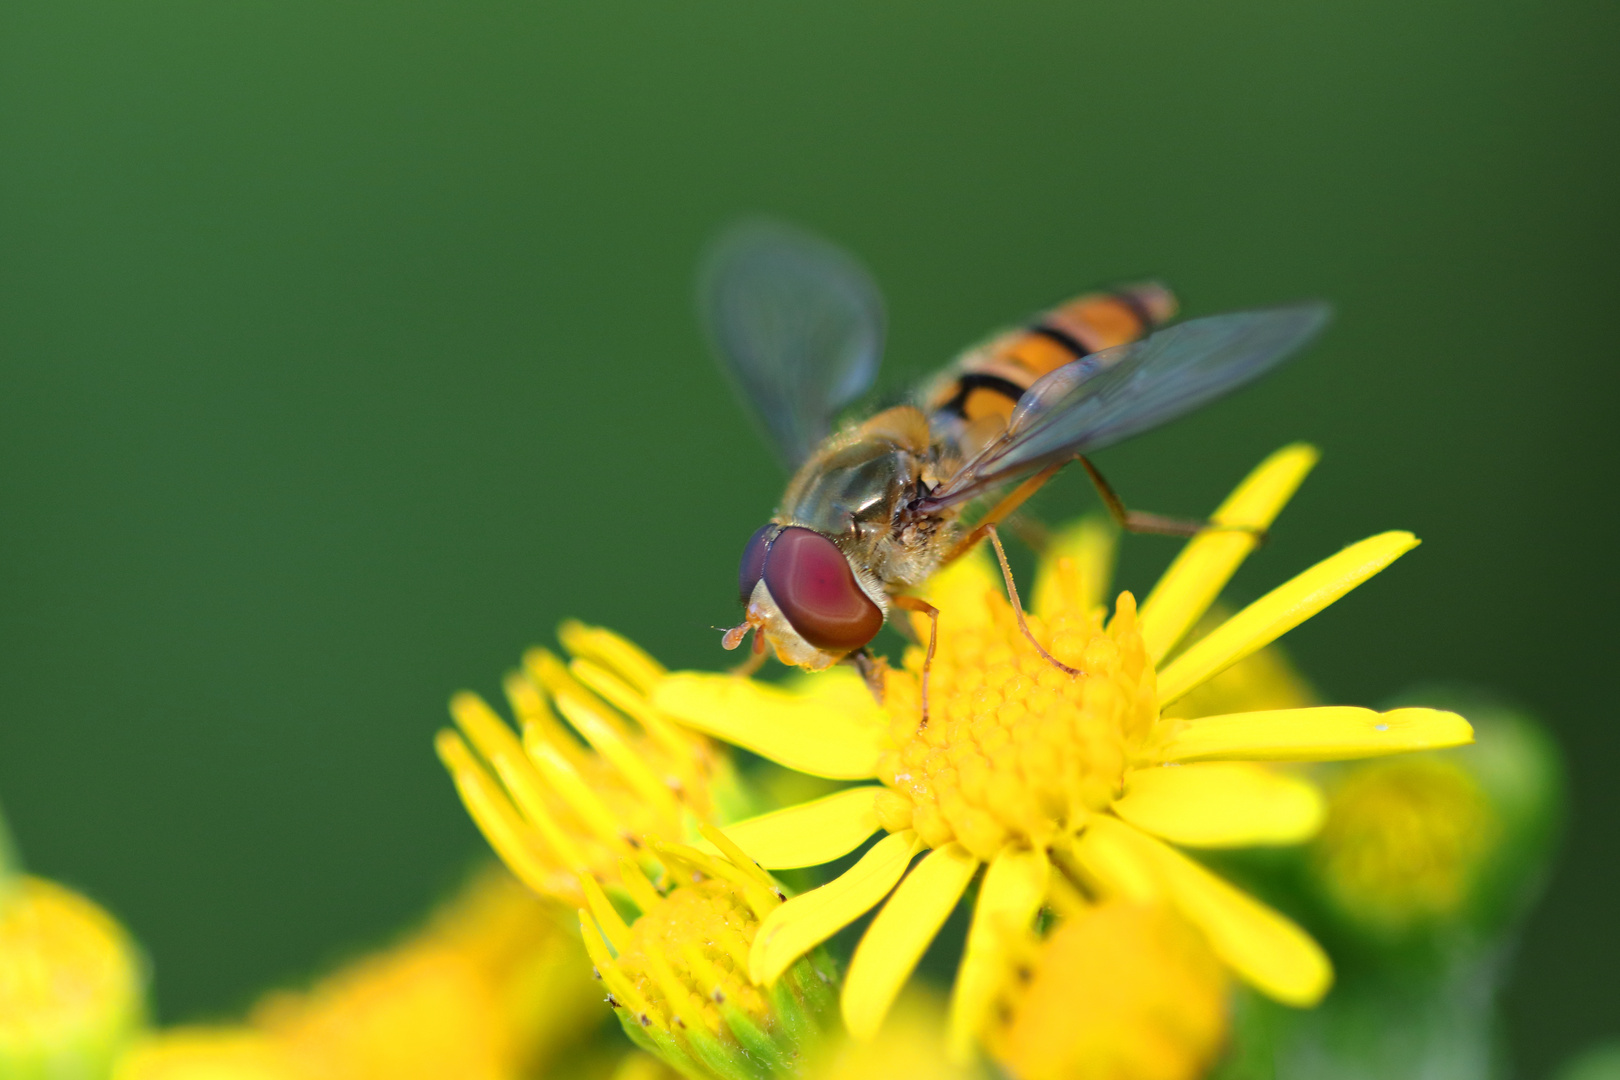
(345,347)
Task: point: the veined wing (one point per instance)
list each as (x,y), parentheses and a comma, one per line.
(797,324)
(1106,397)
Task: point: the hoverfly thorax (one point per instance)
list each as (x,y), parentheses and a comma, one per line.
(815,580)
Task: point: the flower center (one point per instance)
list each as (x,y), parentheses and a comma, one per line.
(1015,749)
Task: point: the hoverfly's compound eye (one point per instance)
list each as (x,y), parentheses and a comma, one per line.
(811,582)
(753,561)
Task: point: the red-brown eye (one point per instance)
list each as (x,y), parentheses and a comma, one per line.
(753,561)
(813,585)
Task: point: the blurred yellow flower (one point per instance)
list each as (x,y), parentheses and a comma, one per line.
(71,982)
(493,987)
(207,1053)
(1034,774)
(1118,992)
(1404,842)
(912,1044)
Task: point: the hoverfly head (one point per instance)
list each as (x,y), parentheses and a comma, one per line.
(804,597)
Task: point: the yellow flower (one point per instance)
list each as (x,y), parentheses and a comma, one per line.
(677,973)
(71,983)
(207,1053)
(566,799)
(912,1044)
(491,988)
(1404,842)
(1118,992)
(1038,776)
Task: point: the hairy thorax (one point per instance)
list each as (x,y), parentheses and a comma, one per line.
(856,490)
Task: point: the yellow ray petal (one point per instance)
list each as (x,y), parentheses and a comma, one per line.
(1264,947)
(494,815)
(1013,890)
(599,727)
(1210,559)
(808,834)
(834,729)
(900,934)
(811,918)
(1328,733)
(1075,569)
(617,654)
(1280,610)
(1222,804)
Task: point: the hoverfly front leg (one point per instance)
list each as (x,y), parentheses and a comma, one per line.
(1018,607)
(756,660)
(873,669)
(1137,521)
(915,603)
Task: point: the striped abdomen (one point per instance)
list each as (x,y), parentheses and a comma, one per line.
(976,394)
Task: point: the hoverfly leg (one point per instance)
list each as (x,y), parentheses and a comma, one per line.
(1018,607)
(1137,521)
(873,669)
(1012,501)
(755,661)
(915,603)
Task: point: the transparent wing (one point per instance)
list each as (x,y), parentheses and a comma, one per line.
(1106,397)
(797,324)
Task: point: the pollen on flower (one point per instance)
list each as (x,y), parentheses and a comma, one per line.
(1015,748)
(1404,841)
(688,958)
(678,974)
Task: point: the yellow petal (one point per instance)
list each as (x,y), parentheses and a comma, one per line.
(1075,569)
(599,727)
(1280,610)
(1013,890)
(811,918)
(1329,733)
(808,834)
(961,587)
(617,654)
(1264,947)
(833,729)
(1210,559)
(1222,804)
(900,934)
(495,816)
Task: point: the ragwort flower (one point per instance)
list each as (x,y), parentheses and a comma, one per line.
(1117,991)
(494,987)
(71,981)
(677,971)
(580,818)
(558,799)
(1047,780)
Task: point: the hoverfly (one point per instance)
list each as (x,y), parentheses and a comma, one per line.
(877,506)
